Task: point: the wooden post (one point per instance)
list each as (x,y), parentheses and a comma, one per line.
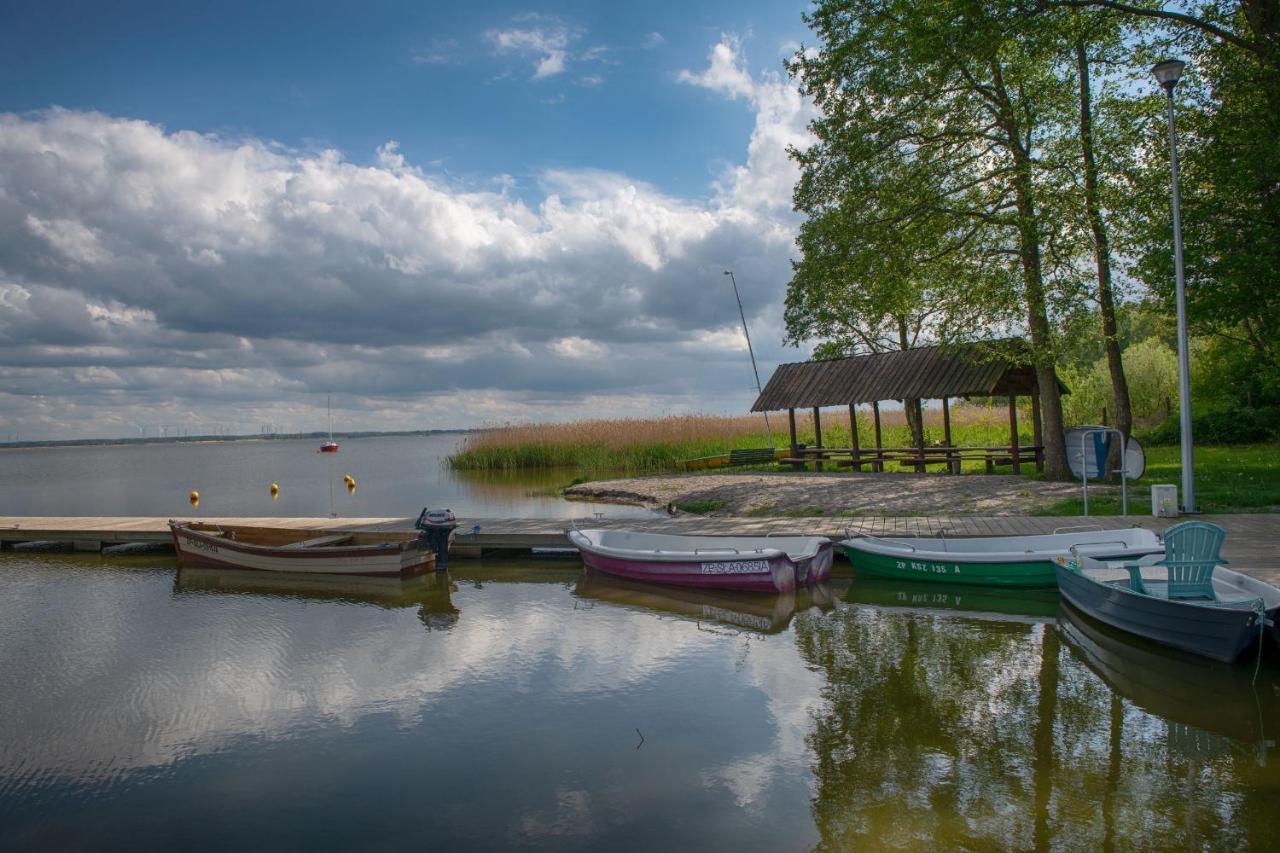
(817,438)
(878,465)
(853,438)
(1037,431)
(953,465)
(795,445)
(919,444)
(1013,433)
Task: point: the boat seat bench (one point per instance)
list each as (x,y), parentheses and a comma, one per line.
(319,541)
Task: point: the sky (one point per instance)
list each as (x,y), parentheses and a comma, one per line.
(214,217)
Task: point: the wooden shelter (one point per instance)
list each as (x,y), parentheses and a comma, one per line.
(999,368)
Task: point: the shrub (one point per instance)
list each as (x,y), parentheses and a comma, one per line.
(1220,425)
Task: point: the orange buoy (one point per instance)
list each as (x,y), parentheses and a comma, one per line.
(194,497)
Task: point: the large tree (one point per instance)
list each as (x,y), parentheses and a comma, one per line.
(928,144)
(1229,121)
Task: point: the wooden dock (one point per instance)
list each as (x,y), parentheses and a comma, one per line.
(1252,546)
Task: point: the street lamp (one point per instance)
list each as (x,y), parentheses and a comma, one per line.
(750,351)
(1168,73)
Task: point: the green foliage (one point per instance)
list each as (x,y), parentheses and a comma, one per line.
(1228,479)
(1228,424)
(700,507)
(1152,370)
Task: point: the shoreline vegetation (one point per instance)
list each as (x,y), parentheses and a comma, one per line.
(1229,478)
(652,445)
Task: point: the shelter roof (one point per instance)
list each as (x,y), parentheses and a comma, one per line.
(987,368)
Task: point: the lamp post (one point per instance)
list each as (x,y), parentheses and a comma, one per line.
(750,351)
(1168,73)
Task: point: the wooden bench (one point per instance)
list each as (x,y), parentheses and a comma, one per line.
(320,541)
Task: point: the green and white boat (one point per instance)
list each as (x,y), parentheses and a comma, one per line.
(1007,561)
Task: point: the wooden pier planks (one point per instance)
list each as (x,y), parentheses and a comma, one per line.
(1252,546)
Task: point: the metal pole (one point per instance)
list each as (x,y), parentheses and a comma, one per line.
(1184,359)
(750,351)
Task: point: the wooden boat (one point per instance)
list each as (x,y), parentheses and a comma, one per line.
(775,564)
(1221,627)
(297,551)
(1011,561)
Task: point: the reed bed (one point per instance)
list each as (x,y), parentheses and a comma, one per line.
(657,444)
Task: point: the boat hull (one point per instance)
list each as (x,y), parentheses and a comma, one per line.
(1026,562)
(1024,574)
(1220,633)
(774,574)
(392,559)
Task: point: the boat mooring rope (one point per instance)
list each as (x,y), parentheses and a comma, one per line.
(1260,608)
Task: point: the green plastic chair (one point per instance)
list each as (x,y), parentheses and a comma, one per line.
(1191,552)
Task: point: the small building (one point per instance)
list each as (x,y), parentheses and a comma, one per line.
(1000,368)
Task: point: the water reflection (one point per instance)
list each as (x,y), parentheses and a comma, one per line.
(1036,605)
(1197,696)
(978,731)
(765,614)
(430,593)
(139,710)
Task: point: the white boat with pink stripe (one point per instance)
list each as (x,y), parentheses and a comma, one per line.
(752,563)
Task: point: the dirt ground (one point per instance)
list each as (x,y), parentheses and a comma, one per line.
(811,494)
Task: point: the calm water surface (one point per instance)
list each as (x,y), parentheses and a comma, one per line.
(395,476)
(525,704)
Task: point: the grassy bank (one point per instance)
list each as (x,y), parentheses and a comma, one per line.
(657,444)
(1236,478)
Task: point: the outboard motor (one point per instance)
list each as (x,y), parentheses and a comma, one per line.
(437,526)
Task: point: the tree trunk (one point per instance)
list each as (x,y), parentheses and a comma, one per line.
(1102,259)
(915,418)
(1055,452)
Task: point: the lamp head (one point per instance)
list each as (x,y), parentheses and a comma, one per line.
(1168,73)
(728,272)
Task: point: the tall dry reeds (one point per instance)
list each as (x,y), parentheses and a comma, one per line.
(656,444)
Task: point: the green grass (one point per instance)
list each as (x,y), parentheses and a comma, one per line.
(700,507)
(1237,478)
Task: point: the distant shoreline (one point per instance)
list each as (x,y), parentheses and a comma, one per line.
(210,439)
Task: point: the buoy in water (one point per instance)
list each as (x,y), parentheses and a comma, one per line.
(275,491)
(194,497)
(351,485)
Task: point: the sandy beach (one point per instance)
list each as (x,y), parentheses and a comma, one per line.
(837,493)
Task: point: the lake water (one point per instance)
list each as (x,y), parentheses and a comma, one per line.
(526,704)
(395,476)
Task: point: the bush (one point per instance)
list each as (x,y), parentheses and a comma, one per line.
(1220,425)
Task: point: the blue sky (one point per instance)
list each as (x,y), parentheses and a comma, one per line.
(209,209)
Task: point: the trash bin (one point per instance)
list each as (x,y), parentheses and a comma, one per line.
(437,526)
(1164,501)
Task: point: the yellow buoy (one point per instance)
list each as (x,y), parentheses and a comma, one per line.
(194,497)
(347,478)
(275,491)
(351,485)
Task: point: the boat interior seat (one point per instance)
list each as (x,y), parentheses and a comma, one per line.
(1191,553)
(320,541)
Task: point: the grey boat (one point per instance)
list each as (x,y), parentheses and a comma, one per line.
(1219,626)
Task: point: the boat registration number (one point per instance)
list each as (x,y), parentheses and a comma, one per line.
(928,568)
(736,567)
